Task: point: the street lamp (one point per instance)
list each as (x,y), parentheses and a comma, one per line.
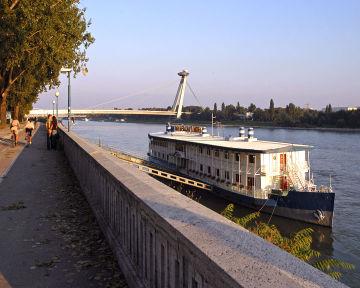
(68,70)
(53,107)
(57,103)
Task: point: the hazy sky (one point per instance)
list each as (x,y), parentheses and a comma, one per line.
(305,52)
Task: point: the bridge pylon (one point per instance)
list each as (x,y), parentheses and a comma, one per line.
(179,99)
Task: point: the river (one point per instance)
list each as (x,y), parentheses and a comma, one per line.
(334,153)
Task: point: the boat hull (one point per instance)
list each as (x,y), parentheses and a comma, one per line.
(311,207)
(297,205)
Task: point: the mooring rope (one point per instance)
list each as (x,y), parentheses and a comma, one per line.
(273,210)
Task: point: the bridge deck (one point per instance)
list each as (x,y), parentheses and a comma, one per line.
(76,112)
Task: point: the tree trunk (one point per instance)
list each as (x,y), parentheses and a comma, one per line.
(16,112)
(3,111)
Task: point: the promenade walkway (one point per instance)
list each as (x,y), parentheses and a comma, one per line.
(48,235)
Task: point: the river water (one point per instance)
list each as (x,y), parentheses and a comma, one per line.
(334,153)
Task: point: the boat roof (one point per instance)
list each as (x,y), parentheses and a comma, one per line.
(241,145)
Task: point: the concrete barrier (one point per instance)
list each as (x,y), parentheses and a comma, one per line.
(164,239)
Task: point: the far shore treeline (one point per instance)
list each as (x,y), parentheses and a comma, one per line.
(289,116)
(37,39)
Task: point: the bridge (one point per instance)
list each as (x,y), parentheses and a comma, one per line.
(176,109)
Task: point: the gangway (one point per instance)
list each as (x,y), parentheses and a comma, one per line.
(150,168)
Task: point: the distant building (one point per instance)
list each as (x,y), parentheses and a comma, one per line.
(337,109)
(246,116)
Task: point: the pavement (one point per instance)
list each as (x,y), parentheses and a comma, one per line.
(49,236)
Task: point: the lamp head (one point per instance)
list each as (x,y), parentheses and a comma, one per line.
(65,70)
(57,93)
(85,71)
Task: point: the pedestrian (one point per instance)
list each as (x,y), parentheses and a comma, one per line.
(54,132)
(14,128)
(48,131)
(29,127)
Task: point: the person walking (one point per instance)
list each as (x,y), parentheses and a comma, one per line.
(15,127)
(48,131)
(54,133)
(29,127)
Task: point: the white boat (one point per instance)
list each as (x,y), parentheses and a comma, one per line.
(272,176)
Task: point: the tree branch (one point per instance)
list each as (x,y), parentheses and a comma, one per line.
(14,4)
(33,34)
(17,77)
(55,4)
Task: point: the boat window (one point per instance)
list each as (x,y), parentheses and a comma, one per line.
(227,174)
(251,158)
(179,147)
(216,153)
(201,167)
(237,157)
(250,181)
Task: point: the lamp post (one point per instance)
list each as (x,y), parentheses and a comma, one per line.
(53,107)
(57,103)
(68,70)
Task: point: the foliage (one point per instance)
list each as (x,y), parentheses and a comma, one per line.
(298,244)
(37,38)
(290,116)
(327,266)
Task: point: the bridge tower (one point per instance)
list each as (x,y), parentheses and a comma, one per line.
(179,99)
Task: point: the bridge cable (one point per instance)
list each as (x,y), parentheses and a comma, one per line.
(193,93)
(133,94)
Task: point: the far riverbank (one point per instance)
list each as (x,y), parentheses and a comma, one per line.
(253,124)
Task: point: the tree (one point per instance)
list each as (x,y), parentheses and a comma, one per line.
(223,107)
(328,108)
(37,38)
(272,110)
(271,104)
(215,108)
(251,107)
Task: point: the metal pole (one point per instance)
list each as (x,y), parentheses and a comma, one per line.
(57,107)
(69,102)
(53,108)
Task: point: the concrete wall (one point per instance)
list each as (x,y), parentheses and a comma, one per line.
(163,239)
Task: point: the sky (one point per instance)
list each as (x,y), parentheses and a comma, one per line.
(306,52)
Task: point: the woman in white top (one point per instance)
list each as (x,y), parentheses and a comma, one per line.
(29,127)
(15,127)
